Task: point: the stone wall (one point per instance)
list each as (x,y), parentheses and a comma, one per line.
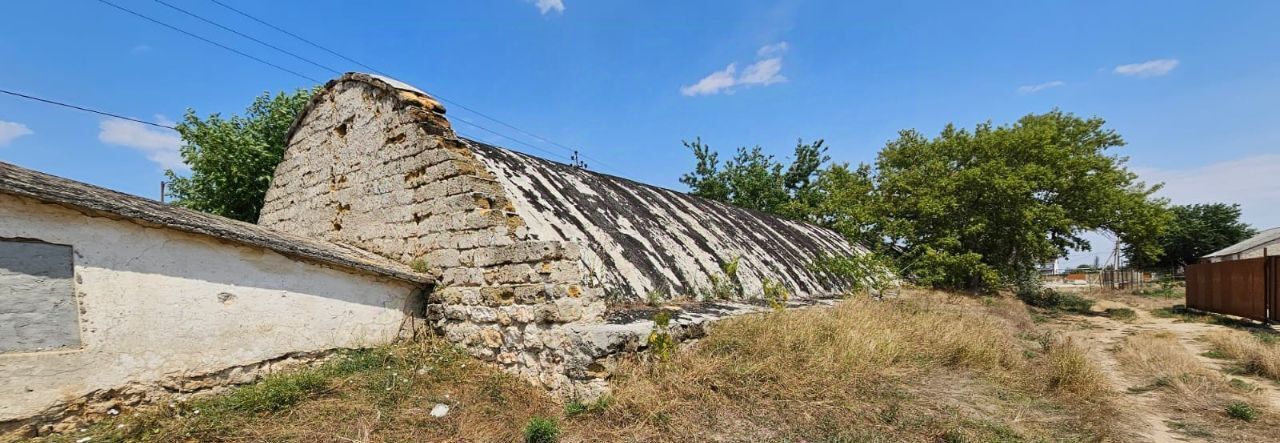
(374,164)
(525,250)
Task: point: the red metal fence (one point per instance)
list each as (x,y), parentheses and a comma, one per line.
(1245,288)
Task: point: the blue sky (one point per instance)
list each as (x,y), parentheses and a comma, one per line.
(1191,85)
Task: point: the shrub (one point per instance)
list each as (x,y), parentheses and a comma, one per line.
(1241,411)
(541,430)
(1052,300)
(868,272)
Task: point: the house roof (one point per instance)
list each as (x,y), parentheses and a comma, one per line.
(15,180)
(1263,238)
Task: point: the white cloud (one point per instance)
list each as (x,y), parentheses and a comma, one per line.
(160,145)
(1032,89)
(1152,68)
(10,131)
(546,6)
(713,83)
(1249,181)
(764,72)
(772,50)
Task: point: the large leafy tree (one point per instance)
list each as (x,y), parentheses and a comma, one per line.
(1194,231)
(978,209)
(233,159)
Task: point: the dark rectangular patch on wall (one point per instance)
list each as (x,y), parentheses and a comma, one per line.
(37,297)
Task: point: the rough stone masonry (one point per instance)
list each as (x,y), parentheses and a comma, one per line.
(528,253)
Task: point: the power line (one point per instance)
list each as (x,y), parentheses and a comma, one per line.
(233,31)
(81,108)
(376,71)
(220,45)
(291,54)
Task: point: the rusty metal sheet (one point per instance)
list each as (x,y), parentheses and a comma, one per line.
(1236,287)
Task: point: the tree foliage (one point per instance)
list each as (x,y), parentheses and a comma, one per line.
(979,209)
(965,209)
(233,159)
(1195,231)
(808,188)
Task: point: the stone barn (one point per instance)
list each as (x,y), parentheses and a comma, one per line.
(380,222)
(529,254)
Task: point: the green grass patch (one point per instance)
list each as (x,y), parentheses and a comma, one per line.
(577,407)
(541,430)
(1122,314)
(1180,312)
(1242,411)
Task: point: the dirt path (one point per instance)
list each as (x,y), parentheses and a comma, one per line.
(1099,334)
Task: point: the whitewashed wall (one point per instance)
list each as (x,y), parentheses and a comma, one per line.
(158,305)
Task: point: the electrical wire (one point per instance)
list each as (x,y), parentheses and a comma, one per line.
(81,108)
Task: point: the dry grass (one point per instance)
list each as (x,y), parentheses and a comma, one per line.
(1255,355)
(865,366)
(1162,363)
(376,395)
(929,367)
(1203,401)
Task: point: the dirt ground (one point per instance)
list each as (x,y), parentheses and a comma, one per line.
(1151,414)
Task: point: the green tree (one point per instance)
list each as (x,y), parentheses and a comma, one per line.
(809,188)
(979,209)
(233,159)
(1194,231)
(753,179)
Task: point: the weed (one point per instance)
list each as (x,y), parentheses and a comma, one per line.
(1167,289)
(776,294)
(1241,385)
(1253,353)
(1188,430)
(661,344)
(1215,354)
(1241,411)
(726,285)
(577,407)
(1122,314)
(1072,372)
(656,297)
(420,266)
(541,430)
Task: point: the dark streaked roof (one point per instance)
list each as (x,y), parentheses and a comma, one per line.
(1265,237)
(84,197)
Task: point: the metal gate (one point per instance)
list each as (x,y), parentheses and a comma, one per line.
(1244,288)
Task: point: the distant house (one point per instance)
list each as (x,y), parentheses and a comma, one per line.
(1265,243)
(1050,268)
